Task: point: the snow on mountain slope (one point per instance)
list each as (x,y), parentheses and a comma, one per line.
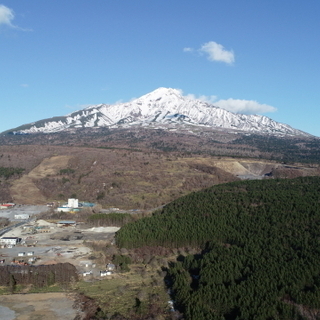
(161,106)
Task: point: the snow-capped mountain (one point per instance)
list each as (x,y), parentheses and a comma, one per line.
(164,106)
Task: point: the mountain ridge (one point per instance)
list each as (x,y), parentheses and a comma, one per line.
(161,107)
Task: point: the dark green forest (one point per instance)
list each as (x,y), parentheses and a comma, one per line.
(259,255)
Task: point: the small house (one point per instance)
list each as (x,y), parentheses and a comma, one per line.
(6,205)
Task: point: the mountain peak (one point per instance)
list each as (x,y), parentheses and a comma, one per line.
(162,93)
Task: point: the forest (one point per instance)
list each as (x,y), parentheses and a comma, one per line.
(259,249)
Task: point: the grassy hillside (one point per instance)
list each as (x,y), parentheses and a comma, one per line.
(260,249)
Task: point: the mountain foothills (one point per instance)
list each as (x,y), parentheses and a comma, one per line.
(164,106)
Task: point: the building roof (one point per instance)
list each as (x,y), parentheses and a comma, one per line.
(10,238)
(66,222)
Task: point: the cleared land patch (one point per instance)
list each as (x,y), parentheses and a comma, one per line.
(25,191)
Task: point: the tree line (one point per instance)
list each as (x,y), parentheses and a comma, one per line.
(38,276)
(110,219)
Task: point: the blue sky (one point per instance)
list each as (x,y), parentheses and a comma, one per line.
(247,56)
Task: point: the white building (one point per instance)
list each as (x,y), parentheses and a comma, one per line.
(73,203)
(10,240)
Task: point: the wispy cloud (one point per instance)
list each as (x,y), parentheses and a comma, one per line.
(244,106)
(24,85)
(7,16)
(233,105)
(214,52)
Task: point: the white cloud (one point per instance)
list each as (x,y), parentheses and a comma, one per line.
(24,85)
(244,106)
(216,52)
(6,15)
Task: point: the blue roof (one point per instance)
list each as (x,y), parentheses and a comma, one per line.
(67,221)
(86,204)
